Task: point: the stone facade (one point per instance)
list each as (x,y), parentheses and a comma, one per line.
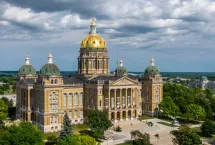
(44,98)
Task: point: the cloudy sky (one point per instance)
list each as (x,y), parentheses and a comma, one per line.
(179,34)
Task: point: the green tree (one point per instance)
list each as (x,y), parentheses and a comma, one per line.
(140,138)
(202,101)
(169,108)
(78,140)
(99,122)
(1,92)
(52,140)
(24,134)
(3,110)
(208,128)
(66,127)
(209,93)
(186,136)
(5,99)
(195,112)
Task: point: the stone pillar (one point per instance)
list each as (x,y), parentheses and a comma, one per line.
(121,116)
(29,102)
(115,98)
(109,99)
(131,98)
(120,98)
(126,115)
(137,98)
(126,98)
(131,114)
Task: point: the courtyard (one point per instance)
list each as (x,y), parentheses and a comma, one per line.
(165,138)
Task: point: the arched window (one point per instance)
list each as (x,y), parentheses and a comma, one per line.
(76,99)
(80,98)
(55,81)
(64,99)
(81,113)
(52,81)
(70,99)
(76,113)
(70,114)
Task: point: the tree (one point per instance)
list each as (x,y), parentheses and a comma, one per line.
(169,108)
(66,127)
(25,133)
(208,128)
(209,93)
(202,101)
(99,122)
(140,138)
(78,140)
(186,136)
(5,99)
(195,112)
(3,110)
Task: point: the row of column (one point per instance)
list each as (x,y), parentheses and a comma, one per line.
(128,99)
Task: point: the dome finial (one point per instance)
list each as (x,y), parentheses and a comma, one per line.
(121,62)
(152,63)
(50,57)
(93,26)
(27,60)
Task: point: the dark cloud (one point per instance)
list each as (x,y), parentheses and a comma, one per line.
(86,8)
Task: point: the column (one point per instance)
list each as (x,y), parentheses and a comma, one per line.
(120,98)
(115,116)
(131,114)
(115,98)
(109,99)
(126,99)
(121,116)
(28,107)
(137,97)
(131,98)
(126,114)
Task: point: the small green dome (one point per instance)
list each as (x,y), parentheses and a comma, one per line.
(203,79)
(121,70)
(152,70)
(50,69)
(27,69)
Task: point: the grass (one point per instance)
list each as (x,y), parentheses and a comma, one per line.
(76,129)
(46,135)
(142,117)
(164,123)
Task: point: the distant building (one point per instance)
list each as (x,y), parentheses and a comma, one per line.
(203,83)
(44,98)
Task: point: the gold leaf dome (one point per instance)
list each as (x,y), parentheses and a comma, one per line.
(93,40)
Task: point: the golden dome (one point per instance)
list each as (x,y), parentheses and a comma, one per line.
(93,40)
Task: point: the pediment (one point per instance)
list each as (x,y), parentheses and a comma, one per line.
(124,81)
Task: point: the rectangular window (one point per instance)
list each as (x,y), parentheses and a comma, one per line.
(70,99)
(112,101)
(106,102)
(81,113)
(80,99)
(76,113)
(70,114)
(123,100)
(129,100)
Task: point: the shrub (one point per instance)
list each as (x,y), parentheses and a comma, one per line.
(118,129)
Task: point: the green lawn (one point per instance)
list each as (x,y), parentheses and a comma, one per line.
(164,123)
(142,117)
(76,129)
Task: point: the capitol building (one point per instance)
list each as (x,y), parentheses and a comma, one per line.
(43,98)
